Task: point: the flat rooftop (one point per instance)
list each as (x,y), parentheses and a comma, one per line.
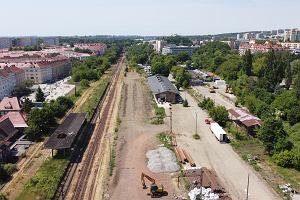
(64,136)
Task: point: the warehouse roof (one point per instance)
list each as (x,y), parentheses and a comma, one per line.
(64,136)
(160,84)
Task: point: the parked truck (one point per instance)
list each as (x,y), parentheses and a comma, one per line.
(218,131)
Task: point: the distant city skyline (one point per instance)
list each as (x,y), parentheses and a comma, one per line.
(145,17)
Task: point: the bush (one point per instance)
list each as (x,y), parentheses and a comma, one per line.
(206,103)
(219,114)
(196,136)
(84,83)
(10,168)
(185,103)
(284,158)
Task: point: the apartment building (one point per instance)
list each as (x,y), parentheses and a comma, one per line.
(292,35)
(263,48)
(7,82)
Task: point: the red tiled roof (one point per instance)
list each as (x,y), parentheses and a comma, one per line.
(244,117)
(11,102)
(16,70)
(16,119)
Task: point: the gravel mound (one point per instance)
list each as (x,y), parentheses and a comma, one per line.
(162,160)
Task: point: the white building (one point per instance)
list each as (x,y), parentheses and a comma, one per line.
(246,36)
(239,36)
(7,82)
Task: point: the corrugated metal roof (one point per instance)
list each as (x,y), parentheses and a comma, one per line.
(64,136)
(160,84)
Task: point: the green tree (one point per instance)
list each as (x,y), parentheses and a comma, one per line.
(27,105)
(39,96)
(219,114)
(182,57)
(270,133)
(288,77)
(33,131)
(84,83)
(247,62)
(40,122)
(284,158)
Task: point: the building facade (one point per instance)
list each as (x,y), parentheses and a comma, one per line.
(7,82)
(175,50)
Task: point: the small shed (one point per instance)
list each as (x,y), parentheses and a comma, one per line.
(66,133)
(244,118)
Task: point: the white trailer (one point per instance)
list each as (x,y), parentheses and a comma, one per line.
(218,131)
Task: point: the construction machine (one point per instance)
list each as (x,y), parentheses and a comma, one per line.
(211,89)
(155,191)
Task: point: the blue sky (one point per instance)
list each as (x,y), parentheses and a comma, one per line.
(144,17)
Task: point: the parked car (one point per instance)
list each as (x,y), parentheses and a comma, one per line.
(179,99)
(207,121)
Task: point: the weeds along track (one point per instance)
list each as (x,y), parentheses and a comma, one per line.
(86,173)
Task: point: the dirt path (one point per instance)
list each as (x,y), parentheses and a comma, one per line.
(208,152)
(136,137)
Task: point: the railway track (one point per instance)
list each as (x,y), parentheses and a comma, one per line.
(86,174)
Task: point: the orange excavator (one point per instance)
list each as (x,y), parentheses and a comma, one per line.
(155,191)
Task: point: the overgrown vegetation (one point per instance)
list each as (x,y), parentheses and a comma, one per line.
(166,140)
(43,185)
(91,103)
(94,67)
(160,114)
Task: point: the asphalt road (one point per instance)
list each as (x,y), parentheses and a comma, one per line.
(208,152)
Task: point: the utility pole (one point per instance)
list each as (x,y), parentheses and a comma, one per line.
(247,188)
(196,124)
(171,119)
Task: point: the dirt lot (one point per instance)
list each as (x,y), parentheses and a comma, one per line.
(208,152)
(136,137)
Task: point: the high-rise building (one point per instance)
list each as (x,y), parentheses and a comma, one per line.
(292,36)
(246,36)
(5,42)
(239,36)
(259,36)
(274,32)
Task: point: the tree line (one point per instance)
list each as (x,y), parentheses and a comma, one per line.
(268,84)
(161,64)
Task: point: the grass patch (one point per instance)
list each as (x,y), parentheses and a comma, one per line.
(91,103)
(112,161)
(196,136)
(165,139)
(43,185)
(160,114)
